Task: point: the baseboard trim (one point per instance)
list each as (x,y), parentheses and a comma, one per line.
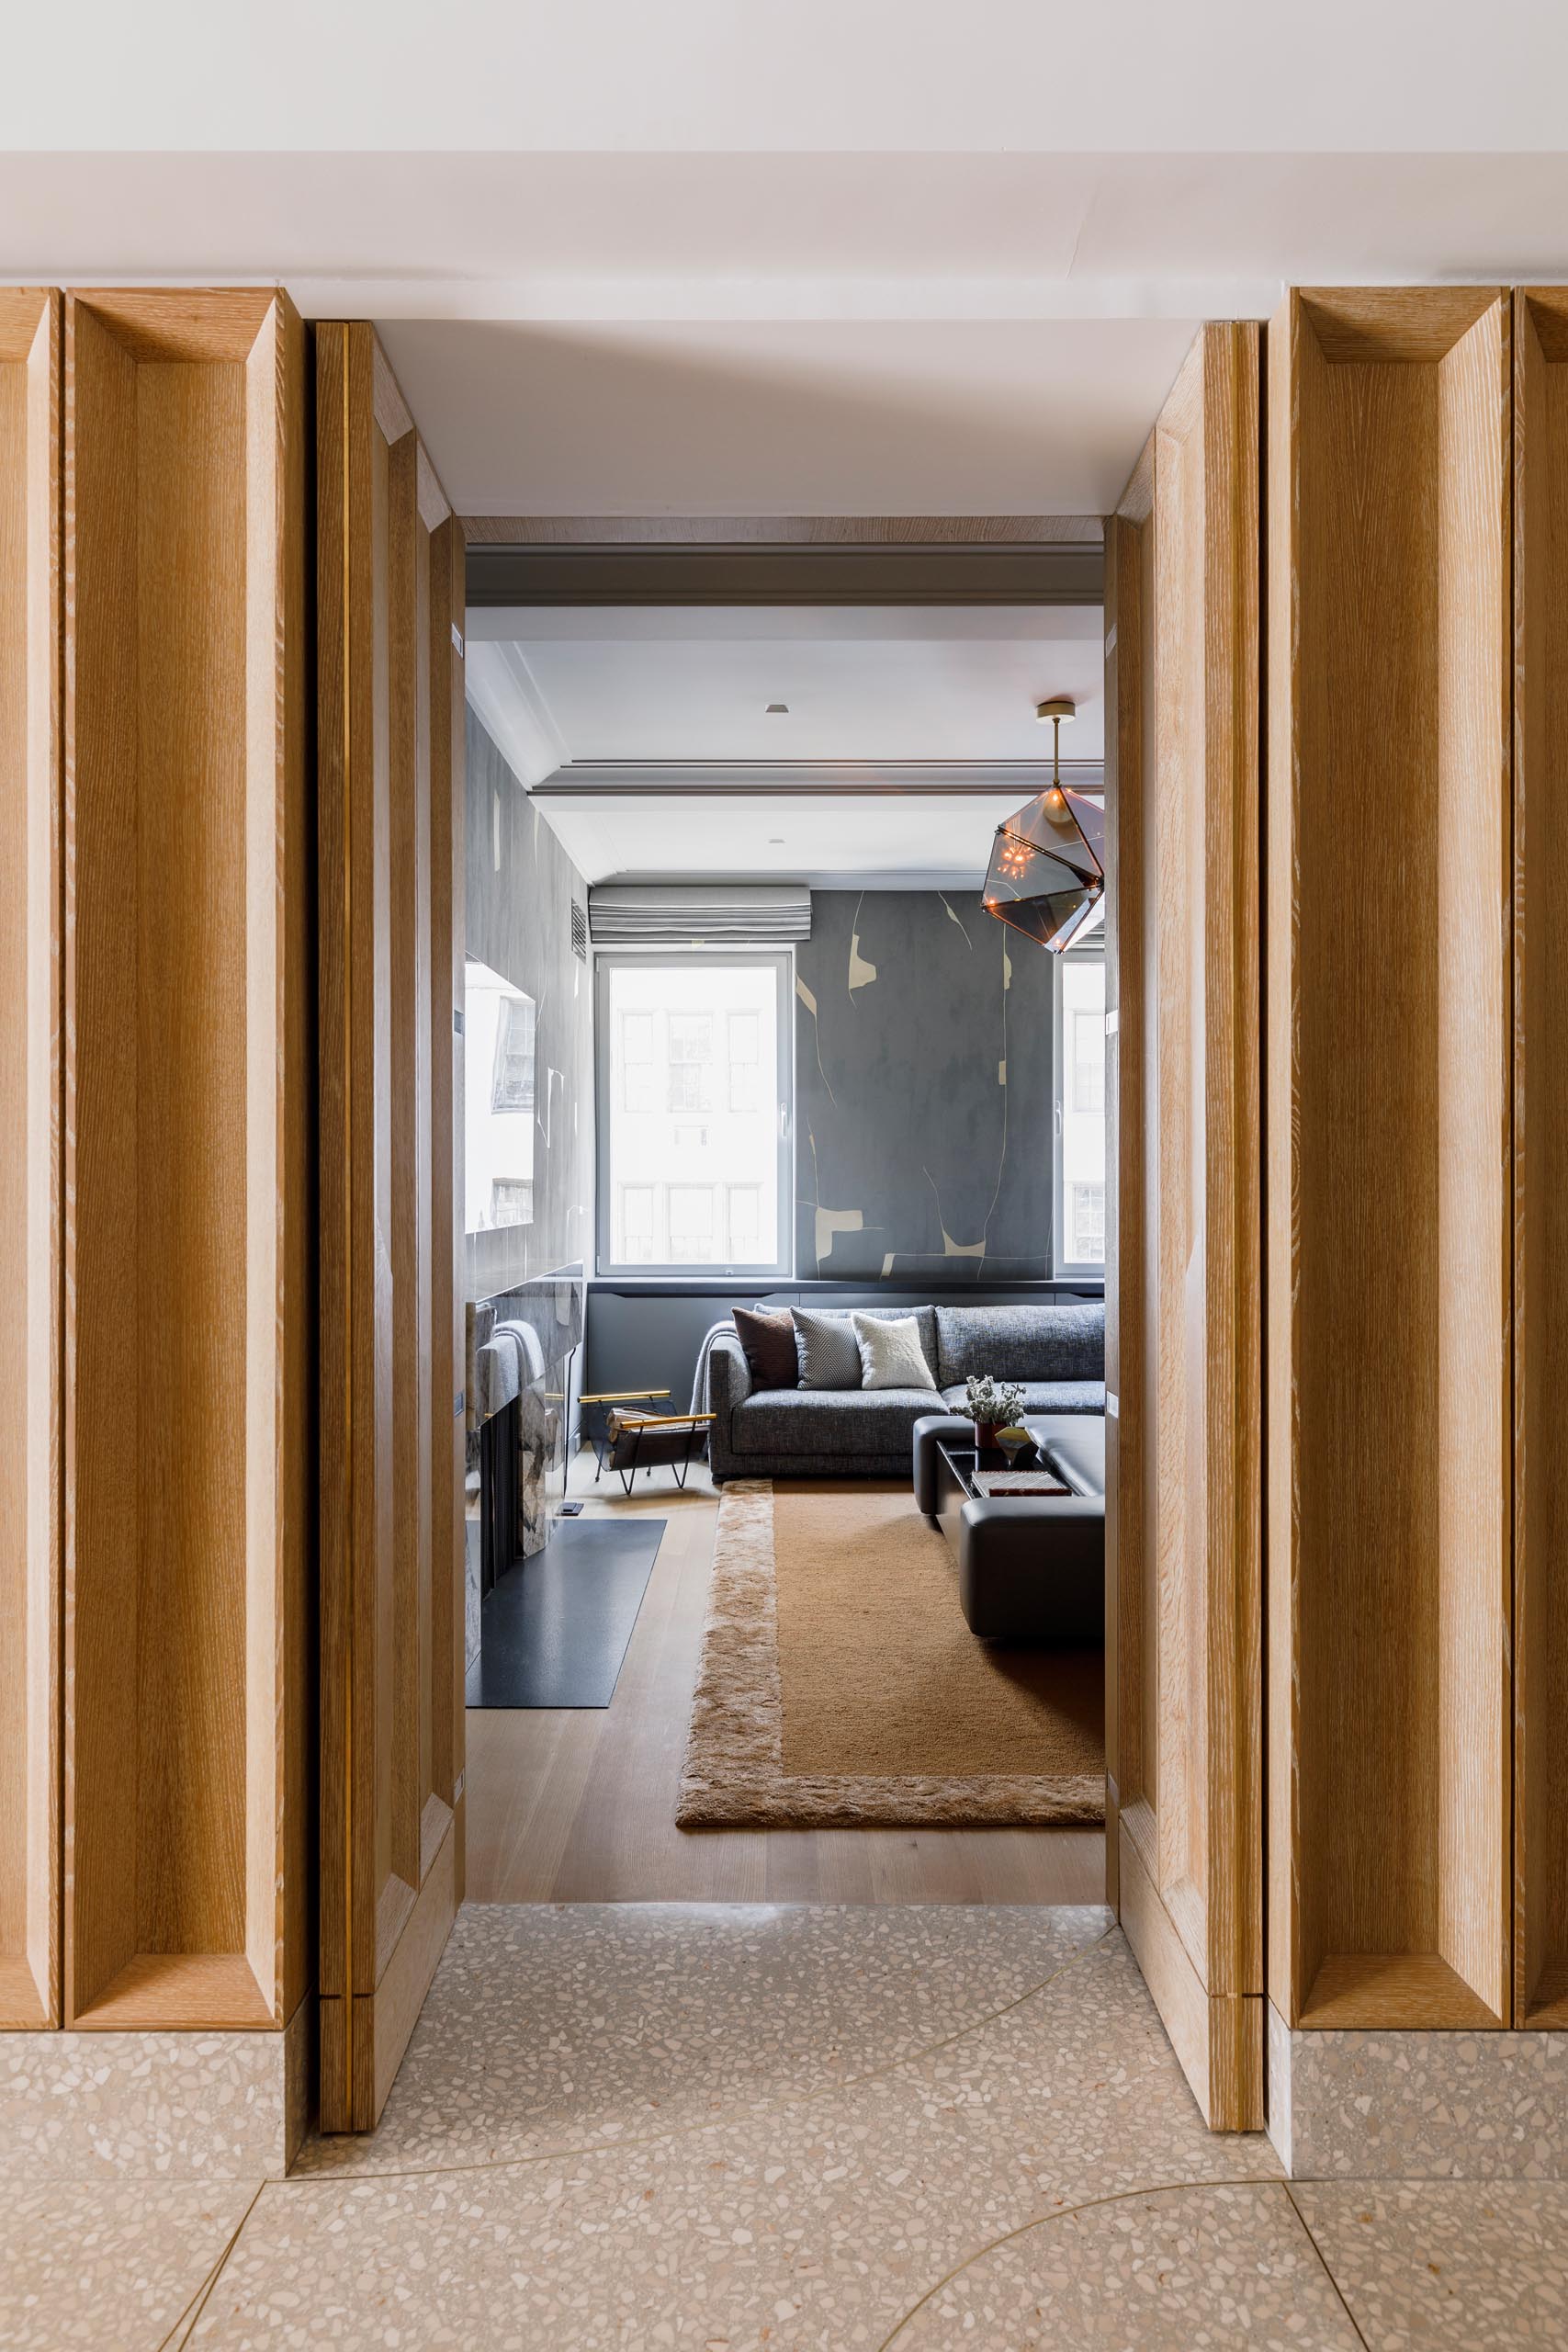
(1371,2103)
(211,2104)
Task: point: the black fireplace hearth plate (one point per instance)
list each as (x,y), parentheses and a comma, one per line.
(554,1631)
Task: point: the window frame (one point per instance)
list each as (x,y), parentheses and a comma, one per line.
(1065,1269)
(781,961)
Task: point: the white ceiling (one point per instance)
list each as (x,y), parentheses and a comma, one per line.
(629,721)
(828,841)
(880,75)
(931,683)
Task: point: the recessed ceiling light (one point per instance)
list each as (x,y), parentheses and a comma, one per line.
(777,710)
(775,840)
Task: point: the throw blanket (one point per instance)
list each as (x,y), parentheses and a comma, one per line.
(725,1331)
(505,1364)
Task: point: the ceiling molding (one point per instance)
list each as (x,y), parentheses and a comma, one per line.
(839,779)
(506,693)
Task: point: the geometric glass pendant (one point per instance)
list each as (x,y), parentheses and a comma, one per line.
(1046,877)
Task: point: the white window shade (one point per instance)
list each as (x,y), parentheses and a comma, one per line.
(659,914)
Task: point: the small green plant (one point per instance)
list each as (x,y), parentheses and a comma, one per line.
(999,1403)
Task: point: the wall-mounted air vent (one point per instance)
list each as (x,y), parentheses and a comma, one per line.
(580,932)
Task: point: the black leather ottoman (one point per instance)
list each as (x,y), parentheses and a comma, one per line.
(1031,1568)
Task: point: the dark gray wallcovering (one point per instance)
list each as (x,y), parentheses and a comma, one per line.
(922,1091)
(521,885)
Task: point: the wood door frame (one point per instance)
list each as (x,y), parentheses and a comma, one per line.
(388,1902)
(1184,1498)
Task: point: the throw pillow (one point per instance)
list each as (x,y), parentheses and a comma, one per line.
(890,1352)
(767,1335)
(828,1350)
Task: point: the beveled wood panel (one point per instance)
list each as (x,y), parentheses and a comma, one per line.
(1540,1170)
(188,1137)
(1389,1138)
(1183,698)
(390,717)
(31,1203)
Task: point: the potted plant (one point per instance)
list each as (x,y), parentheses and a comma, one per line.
(993,1405)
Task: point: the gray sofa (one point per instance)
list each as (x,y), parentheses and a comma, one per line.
(1055,1353)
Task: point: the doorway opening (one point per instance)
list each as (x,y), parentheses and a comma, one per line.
(730,809)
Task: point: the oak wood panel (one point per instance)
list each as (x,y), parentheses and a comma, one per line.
(392,1816)
(1184,703)
(30,1203)
(1218,2038)
(1540,1169)
(187,1550)
(1389,1136)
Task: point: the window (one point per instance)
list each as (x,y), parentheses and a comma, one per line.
(745,1204)
(695,1156)
(689,1066)
(743,1071)
(1087,1062)
(639,1068)
(633,1225)
(1079,1189)
(691,1224)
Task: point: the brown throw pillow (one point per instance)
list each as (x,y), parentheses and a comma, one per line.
(769,1341)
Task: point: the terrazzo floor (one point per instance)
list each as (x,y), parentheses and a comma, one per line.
(732,2127)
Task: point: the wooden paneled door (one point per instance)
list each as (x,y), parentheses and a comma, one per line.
(390,606)
(1183,1362)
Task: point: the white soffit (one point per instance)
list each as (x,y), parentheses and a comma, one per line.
(994,417)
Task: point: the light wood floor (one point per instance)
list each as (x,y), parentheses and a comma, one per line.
(579,1805)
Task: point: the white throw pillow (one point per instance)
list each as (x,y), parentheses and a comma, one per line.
(890,1352)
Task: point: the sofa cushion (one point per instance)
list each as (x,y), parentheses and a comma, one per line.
(1021,1343)
(767,1335)
(925,1319)
(801,1421)
(828,1348)
(1044,1397)
(890,1352)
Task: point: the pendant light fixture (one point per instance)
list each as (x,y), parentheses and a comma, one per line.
(1046,877)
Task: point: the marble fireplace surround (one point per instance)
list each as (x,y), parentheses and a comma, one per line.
(520,1344)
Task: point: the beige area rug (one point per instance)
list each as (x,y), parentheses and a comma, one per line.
(839,1683)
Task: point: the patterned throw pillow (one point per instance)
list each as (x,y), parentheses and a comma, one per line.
(767,1335)
(890,1352)
(828,1350)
